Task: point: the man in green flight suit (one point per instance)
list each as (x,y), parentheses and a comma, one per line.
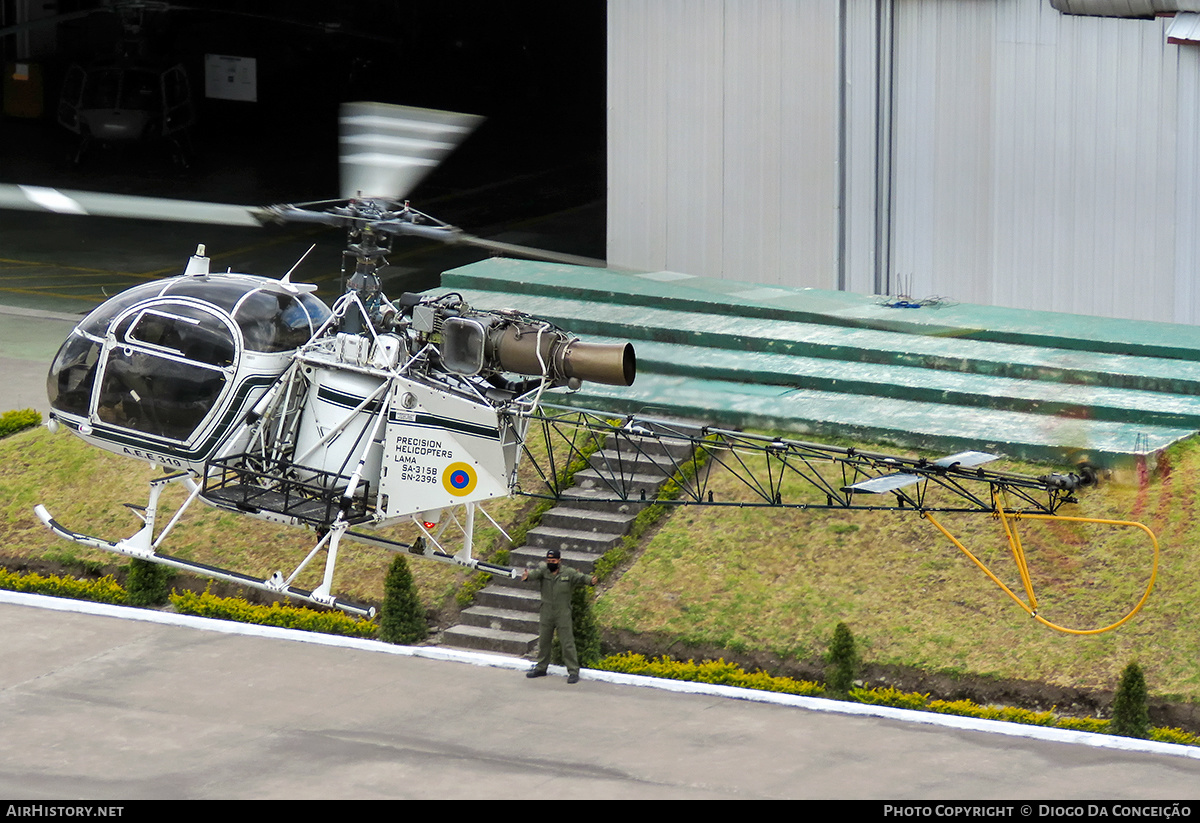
(558,583)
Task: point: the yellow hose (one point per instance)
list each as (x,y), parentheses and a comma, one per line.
(1014,542)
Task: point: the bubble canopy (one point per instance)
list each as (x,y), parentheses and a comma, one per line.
(175,347)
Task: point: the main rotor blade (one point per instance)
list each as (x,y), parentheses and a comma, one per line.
(63,201)
(452,235)
(387,150)
(529,251)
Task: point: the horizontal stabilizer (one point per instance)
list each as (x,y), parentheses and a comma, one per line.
(965,460)
(887,483)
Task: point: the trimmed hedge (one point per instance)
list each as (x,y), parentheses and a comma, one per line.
(104,590)
(284,617)
(716,672)
(729,674)
(12,422)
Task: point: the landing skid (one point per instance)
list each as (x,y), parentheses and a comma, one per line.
(144,545)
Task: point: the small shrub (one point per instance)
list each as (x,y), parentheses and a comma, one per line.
(1095,725)
(467,591)
(716,672)
(587,631)
(728,674)
(402,618)
(147,584)
(1171,735)
(1130,714)
(843,661)
(889,696)
(960,708)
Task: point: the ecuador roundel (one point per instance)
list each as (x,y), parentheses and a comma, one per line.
(459,479)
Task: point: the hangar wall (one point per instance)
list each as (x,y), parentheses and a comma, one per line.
(985,151)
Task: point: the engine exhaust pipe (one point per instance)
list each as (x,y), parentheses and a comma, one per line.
(530,350)
(613,364)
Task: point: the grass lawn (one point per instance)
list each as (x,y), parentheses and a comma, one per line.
(780,580)
(753,579)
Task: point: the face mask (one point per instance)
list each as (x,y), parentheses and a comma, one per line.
(552,566)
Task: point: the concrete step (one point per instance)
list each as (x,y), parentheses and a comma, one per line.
(582,519)
(696,338)
(1040,386)
(675,292)
(506,613)
(907,423)
(532,555)
(625,486)
(599,499)
(511,595)
(1043,394)
(489,640)
(571,540)
(622,462)
(662,447)
(509,620)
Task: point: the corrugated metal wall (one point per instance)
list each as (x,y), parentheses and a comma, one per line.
(723,137)
(1034,157)
(991,151)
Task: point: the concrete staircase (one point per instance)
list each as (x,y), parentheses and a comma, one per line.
(505,615)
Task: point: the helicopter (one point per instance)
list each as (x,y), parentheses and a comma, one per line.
(127,103)
(261,400)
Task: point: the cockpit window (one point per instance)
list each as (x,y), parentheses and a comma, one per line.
(271,320)
(166,371)
(169,360)
(274,321)
(223,294)
(181,330)
(121,88)
(316,310)
(96,324)
(156,396)
(69,383)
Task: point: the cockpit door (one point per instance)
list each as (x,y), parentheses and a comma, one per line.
(165,371)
